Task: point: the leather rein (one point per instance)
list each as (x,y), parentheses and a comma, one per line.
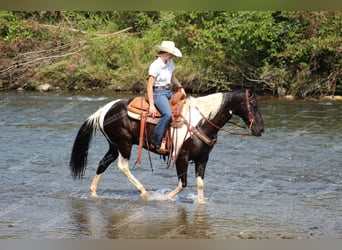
(211,142)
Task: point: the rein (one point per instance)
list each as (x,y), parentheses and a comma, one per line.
(209,141)
(212,141)
(250,114)
(250,118)
(222,129)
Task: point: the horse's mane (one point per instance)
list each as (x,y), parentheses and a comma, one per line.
(209,105)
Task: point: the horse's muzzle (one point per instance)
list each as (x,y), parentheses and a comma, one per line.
(257,132)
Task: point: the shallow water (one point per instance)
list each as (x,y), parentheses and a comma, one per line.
(285,184)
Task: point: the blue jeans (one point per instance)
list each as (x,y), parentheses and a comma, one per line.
(161,101)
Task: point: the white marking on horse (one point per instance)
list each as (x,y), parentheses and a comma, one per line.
(105,109)
(200,186)
(124,168)
(94,185)
(208,105)
(97,118)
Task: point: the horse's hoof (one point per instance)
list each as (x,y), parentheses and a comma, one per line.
(145,195)
(93,194)
(202,201)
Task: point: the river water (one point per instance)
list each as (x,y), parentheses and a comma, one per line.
(285,184)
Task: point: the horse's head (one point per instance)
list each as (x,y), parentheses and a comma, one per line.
(249,112)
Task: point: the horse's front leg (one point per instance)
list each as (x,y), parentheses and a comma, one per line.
(182,169)
(173,193)
(200,194)
(200,169)
(124,168)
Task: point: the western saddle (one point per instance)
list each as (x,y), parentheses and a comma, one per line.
(138,110)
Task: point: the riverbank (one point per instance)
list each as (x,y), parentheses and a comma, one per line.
(72,51)
(140,90)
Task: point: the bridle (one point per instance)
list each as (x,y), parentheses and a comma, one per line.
(250,113)
(251,118)
(212,141)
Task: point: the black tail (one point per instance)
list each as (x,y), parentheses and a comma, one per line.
(79,155)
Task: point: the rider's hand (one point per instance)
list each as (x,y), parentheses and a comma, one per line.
(183,91)
(152,110)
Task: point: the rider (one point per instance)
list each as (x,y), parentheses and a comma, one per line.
(161,76)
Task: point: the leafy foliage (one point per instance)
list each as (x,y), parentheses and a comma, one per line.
(299,52)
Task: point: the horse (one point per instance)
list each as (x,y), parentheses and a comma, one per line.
(203,118)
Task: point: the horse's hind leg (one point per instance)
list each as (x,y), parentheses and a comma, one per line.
(124,168)
(109,157)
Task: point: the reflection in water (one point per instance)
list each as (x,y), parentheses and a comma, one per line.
(118,219)
(201,226)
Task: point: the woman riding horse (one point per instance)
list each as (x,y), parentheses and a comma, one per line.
(161,75)
(203,119)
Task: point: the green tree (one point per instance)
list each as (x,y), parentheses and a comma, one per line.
(297,51)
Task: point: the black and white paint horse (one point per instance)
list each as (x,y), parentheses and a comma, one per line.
(203,119)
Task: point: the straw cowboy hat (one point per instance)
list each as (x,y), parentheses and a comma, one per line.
(168,46)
